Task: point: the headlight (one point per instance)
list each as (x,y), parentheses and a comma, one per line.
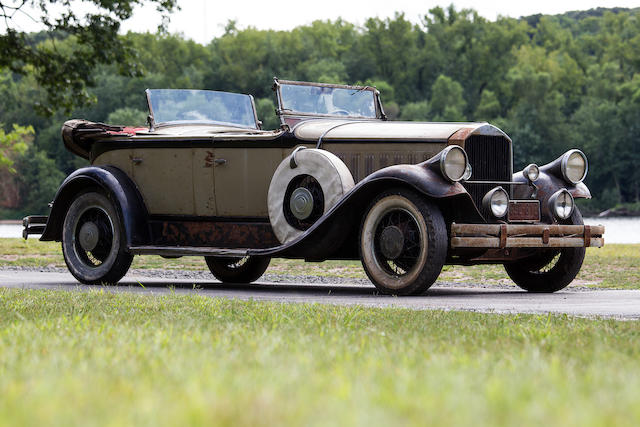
(453,163)
(561,204)
(497,201)
(574,166)
(531,172)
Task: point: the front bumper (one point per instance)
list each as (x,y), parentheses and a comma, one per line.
(498,236)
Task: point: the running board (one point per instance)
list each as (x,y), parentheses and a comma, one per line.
(186,251)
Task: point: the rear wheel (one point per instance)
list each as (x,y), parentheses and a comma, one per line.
(237,269)
(548,270)
(403,242)
(93,241)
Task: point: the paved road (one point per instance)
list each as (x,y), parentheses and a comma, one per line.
(607,303)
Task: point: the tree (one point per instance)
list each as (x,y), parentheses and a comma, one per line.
(447,102)
(76,41)
(418,111)
(12,144)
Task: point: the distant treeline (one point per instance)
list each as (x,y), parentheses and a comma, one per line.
(550,82)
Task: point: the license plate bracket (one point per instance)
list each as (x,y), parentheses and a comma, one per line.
(524,211)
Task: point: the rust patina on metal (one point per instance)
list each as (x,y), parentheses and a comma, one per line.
(220,234)
(525,236)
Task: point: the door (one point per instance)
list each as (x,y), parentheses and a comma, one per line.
(164,177)
(242,177)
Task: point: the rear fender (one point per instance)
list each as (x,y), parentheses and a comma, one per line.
(118,187)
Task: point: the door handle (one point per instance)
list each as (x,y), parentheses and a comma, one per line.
(136,160)
(220,162)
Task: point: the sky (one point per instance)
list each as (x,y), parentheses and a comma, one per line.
(202,20)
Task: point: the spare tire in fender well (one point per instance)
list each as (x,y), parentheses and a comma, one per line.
(418,177)
(117,186)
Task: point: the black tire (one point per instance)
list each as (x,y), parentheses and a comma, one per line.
(549,270)
(93,242)
(237,269)
(403,242)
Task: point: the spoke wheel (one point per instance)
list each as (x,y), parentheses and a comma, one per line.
(548,270)
(403,242)
(92,241)
(237,269)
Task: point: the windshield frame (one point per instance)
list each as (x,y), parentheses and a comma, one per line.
(153,124)
(283,112)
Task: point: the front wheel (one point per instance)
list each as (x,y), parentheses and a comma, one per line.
(237,269)
(550,269)
(403,242)
(93,241)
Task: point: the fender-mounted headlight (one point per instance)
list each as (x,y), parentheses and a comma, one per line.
(574,166)
(561,204)
(496,201)
(453,163)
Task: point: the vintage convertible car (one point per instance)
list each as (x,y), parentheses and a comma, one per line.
(336,181)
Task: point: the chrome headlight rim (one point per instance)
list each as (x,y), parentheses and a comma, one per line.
(531,172)
(489,199)
(565,161)
(553,200)
(443,159)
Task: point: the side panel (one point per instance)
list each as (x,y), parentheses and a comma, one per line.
(363,159)
(165,179)
(242,177)
(118,158)
(204,200)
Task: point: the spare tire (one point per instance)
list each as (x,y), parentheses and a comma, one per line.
(304,187)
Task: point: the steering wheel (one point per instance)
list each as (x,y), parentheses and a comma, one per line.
(341,112)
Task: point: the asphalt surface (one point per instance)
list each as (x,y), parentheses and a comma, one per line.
(623,304)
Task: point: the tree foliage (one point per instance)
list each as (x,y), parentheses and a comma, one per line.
(13,144)
(62,58)
(551,82)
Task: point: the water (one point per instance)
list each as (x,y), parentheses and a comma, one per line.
(618,230)
(11,230)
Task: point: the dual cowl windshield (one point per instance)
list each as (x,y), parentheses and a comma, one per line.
(184,106)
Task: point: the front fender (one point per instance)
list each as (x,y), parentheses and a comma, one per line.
(348,212)
(547,184)
(118,187)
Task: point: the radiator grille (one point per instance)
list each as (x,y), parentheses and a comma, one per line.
(490,158)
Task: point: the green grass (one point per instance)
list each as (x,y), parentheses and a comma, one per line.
(614,266)
(96,358)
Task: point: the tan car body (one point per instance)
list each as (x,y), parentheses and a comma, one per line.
(203,189)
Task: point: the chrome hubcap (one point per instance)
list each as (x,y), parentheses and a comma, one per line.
(391,242)
(89,236)
(301,203)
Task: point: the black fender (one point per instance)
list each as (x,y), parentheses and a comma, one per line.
(348,211)
(118,187)
(547,184)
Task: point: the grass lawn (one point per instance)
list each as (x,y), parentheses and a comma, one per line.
(96,358)
(614,266)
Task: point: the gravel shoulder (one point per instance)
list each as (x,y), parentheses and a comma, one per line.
(170,274)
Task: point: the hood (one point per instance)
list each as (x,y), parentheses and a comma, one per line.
(312,130)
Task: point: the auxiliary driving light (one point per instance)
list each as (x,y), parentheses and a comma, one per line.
(497,201)
(561,204)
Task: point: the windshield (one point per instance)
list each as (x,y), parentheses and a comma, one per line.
(201,106)
(324,100)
